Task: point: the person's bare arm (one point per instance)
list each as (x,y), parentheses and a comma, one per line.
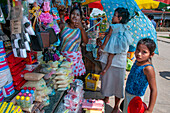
(83,32)
(107,38)
(150,74)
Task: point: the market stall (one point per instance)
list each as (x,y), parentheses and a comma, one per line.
(34,75)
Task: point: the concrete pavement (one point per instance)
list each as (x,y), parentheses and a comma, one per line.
(161,64)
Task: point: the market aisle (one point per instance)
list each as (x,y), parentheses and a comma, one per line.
(162,68)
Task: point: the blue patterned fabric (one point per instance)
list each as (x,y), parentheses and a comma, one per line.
(119,40)
(140,26)
(137,82)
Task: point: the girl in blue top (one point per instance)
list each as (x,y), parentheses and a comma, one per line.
(142,74)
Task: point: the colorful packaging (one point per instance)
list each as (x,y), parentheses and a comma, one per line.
(1,96)
(22,101)
(8,89)
(27,102)
(18,100)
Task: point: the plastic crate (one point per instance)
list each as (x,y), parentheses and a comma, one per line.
(92,84)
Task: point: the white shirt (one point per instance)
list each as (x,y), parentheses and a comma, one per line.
(119,60)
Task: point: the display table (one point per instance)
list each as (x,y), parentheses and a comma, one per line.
(55,101)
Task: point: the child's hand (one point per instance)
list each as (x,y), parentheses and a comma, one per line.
(98,42)
(147,111)
(103,72)
(102,47)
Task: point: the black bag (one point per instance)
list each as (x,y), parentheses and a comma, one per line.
(36,42)
(41,40)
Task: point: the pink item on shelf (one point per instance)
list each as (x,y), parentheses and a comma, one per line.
(20,94)
(93,104)
(46,18)
(46,6)
(25,94)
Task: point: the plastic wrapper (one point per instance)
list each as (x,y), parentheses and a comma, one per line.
(54,64)
(41,93)
(62,82)
(61,71)
(39,85)
(55,86)
(63,86)
(60,77)
(66,64)
(46,101)
(33,76)
(38,99)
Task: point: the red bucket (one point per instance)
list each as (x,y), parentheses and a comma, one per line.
(136,105)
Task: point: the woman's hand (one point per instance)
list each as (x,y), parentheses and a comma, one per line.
(78,25)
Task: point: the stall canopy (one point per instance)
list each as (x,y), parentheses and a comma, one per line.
(164,1)
(152,4)
(142,4)
(89,1)
(147,4)
(96,4)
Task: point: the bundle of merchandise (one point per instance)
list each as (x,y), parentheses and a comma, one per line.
(17,66)
(31,61)
(25,98)
(93,106)
(9,108)
(74,98)
(63,76)
(60,4)
(58,69)
(6,82)
(42,90)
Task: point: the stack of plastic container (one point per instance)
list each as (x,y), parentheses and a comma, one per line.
(74,98)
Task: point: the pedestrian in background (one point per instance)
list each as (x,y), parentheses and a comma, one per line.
(151,17)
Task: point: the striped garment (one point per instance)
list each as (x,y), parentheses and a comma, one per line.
(70,39)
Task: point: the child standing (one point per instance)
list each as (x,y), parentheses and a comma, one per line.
(113,60)
(142,74)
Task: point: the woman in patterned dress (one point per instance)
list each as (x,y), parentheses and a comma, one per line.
(71,35)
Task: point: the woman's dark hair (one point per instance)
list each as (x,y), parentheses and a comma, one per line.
(151,16)
(124,13)
(150,44)
(76,8)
